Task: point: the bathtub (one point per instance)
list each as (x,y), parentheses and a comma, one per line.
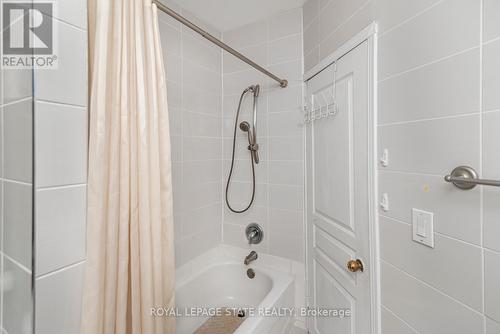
(217,280)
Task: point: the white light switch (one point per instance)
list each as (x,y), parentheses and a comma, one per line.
(423,227)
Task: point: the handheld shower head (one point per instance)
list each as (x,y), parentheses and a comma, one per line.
(244,126)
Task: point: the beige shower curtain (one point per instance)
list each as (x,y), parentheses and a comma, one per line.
(130,253)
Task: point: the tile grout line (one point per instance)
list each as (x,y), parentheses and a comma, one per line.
(18,264)
(341,25)
(399,318)
(481,162)
(448,117)
(402,23)
(432,62)
(441,234)
(438,291)
(60,270)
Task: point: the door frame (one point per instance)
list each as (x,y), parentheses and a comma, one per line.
(368,34)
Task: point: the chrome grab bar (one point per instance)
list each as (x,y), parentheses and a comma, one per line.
(465,177)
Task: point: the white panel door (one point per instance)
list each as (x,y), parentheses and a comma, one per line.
(338,195)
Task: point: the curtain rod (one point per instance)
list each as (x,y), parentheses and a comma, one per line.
(283,83)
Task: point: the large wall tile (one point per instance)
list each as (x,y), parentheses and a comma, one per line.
(249,34)
(310,11)
(73,12)
(242,171)
(198,75)
(205,217)
(286,124)
(55,85)
(201,51)
(341,11)
(59,301)
(393,325)
(18,137)
(433,147)
(198,148)
(173,67)
(311,58)
(200,195)
(199,243)
(170,38)
(446,88)
(285,24)
(20,85)
(492,327)
(196,99)
(491,9)
(424,308)
(17,299)
(491,170)
(240,193)
(492,288)
(311,36)
(203,171)
(286,172)
(17,220)
(60,228)
(448,28)
(236,82)
(390,13)
(285,49)
(360,20)
(457,213)
(200,125)
(286,197)
(438,266)
(491,76)
(258,213)
(289,99)
(61,143)
(281,148)
(257,52)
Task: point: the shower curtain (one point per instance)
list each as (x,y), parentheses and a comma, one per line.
(130,252)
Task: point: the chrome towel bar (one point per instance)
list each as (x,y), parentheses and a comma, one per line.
(465,177)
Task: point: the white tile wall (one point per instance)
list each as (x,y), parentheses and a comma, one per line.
(438,108)
(276,43)
(194,76)
(62,210)
(492,327)
(16,192)
(61,144)
(17,298)
(392,324)
(330,23)
(18,136)
(425,308)
(18,222)
(59,301)
(61,175)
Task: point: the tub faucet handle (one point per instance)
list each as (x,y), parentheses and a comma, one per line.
(254,233)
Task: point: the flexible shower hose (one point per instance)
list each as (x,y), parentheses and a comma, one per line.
(232,163)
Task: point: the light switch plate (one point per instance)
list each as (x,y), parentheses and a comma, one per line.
(423,227)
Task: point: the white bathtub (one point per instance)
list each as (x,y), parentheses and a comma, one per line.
(218,280)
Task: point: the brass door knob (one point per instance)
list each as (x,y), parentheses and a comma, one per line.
(355,266)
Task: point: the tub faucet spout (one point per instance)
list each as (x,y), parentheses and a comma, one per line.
(251,257)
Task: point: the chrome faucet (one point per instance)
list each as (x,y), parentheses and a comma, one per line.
(250,258)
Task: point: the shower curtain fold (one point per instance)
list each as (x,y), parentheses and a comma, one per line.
(130,246)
